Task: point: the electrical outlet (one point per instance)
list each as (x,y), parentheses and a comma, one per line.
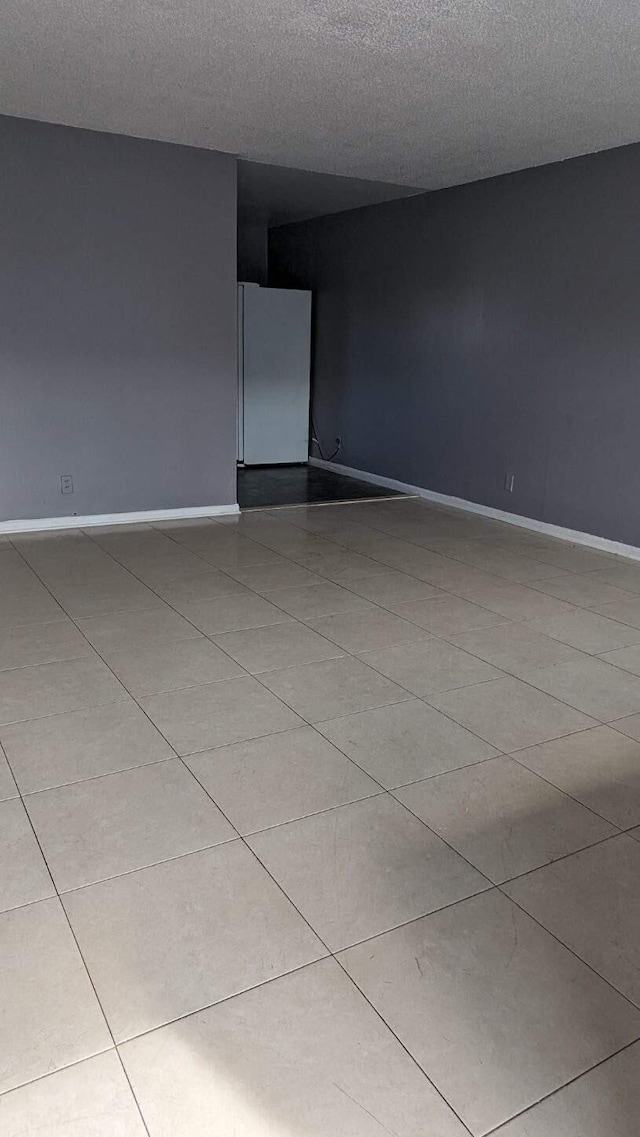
(66,483)
(509,482)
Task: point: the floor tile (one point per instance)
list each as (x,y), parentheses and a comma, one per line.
(342,566)
(513,601)
(95,599)
(589,901)
(52,688)
(392,588)
(628,658)
(193,532)
(171,939)
(572,558)
(23,873)
(368,630)
(202,586)
(494,1009)
(510,714)
(502,818)
(591,686)
(238,554)
(390,551)
(280,778)
(70,547)
(48,537)
(515,648)
(15,573)
(583,590)
(267,578)
(172,665)
(153,570)
(436,570)
(41,643)
(100,828)
(305,1054)
(123,630)
(199,718)
(599,767)
(277,645)
(605,1102)
(511,566)
(99,572)
(317,600)
(588,631)
(298,545)
(22,586)
(90,1099)
(405,742)
(621,575)
(445,615)
(35,608)
(625,612)
(360,869)
(82,744)
(629,725)
(332,687)
(8,788)
(176,914)
(429,666)
(232,613)
(50,1014)
(123,542)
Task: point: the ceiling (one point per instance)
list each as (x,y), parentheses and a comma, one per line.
(422,93)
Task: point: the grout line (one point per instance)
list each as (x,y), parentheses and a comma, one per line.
(546,1097)
(414,1060)
(584,962)
(423,699)
(95,777)
(566,793)
(59,900)
(557,860)
(383,790)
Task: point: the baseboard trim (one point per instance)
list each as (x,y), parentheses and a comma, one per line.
(41,524)
(575,536)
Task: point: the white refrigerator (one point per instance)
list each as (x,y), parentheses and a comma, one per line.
(274,349)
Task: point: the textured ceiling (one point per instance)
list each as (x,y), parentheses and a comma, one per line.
(421,92)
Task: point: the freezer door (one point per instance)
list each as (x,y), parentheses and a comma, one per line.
(275,375)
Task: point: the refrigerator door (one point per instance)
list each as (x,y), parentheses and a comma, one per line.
(275,375)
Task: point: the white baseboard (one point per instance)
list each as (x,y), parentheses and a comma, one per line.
(41,524)
(575,536)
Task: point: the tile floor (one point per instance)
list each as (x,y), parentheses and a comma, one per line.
(260,486)
(319,822)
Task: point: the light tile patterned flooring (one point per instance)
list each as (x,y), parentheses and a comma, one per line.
(319,822)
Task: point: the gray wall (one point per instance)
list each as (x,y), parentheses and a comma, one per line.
(487,329)
(253,246)
(117,323)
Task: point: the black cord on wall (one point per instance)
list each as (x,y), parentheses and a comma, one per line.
(316,439)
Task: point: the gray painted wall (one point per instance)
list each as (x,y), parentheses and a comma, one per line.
(487,329)
(117,323)
(253,250)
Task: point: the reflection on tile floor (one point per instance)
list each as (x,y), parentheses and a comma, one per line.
(260,486)
(319,822)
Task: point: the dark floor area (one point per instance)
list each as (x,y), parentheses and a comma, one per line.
(295,485)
